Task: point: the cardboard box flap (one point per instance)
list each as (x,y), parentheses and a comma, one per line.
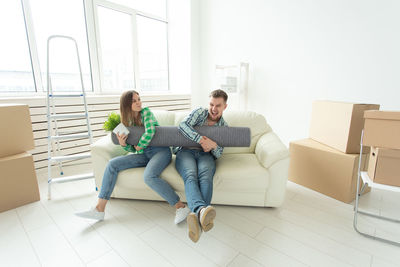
(12,157)
(388,153)
(338,124)
(382,115)
(318,145)
(11,104)
(344,102)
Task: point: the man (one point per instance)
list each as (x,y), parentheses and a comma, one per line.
(197,165)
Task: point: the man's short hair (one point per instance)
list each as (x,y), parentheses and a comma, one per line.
(219,93)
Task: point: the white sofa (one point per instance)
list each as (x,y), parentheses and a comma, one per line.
(249,176)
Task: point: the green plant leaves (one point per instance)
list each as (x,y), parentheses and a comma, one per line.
(112,121)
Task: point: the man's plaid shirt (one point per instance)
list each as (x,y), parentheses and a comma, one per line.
(198,117)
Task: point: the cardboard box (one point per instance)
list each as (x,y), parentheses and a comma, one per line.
(324,169)
(339,124)
(18,182)
(382,129)
(384,166)
(16,135)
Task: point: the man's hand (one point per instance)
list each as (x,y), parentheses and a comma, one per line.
(207,144)
(122,139)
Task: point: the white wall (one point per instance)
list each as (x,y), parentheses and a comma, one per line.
(179,51)
(196,86)
(299,51)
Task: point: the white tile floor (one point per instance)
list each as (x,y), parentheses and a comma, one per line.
(310,229)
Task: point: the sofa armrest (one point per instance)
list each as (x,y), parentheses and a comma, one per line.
(270,149)
(105,148)
(102,151)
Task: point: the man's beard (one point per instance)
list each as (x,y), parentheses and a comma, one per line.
(215,120)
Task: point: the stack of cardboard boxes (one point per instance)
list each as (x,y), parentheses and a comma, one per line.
(327,162)
(382,133)
(18,182)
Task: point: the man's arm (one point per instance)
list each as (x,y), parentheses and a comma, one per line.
(193,119)
(217,152)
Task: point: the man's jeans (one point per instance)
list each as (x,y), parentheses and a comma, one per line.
(155,159)
(197,169)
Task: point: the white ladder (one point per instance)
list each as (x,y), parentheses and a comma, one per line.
(54,136)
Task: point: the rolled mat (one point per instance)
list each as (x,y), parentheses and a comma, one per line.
(171,136)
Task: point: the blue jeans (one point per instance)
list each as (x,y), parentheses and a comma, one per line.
(155,159)
(197,169)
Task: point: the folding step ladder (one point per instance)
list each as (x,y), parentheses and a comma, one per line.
(54,136)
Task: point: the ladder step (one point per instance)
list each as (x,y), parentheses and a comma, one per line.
(69,136)
(70,157)
(68,116)
(71,178)
(65,95)
(70,132)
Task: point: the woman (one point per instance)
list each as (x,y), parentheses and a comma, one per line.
(155,159)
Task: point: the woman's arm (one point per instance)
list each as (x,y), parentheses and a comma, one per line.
(150,124)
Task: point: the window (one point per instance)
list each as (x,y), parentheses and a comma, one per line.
(116,50)
(153,59)
(123,44)
(61,17)
(15,64)
(132,47)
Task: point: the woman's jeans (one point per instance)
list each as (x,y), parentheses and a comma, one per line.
(197,169)
(155,159)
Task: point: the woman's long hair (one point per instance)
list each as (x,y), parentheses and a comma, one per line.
(128,116)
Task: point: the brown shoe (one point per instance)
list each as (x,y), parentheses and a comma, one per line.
(207,216)
(194,227)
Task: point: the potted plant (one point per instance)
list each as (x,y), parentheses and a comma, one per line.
(113,123)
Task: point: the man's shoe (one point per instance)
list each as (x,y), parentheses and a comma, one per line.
(194,227)
(181,214)
(93,214)
(207,216)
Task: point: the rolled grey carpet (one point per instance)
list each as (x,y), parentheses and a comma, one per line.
(170,136)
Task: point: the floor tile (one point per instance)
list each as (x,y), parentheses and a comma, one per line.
(379,262)
(128,245)
(239,222)
(177,252)
(298,250)
(252,248)
(34,216)
(15,246)
(52,247)
(242,260)
(109,259)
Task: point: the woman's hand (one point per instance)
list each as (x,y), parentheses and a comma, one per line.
(138,148)
(122,139)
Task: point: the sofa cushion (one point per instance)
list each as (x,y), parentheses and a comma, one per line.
(179,116)
(164,118)
(240,173)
